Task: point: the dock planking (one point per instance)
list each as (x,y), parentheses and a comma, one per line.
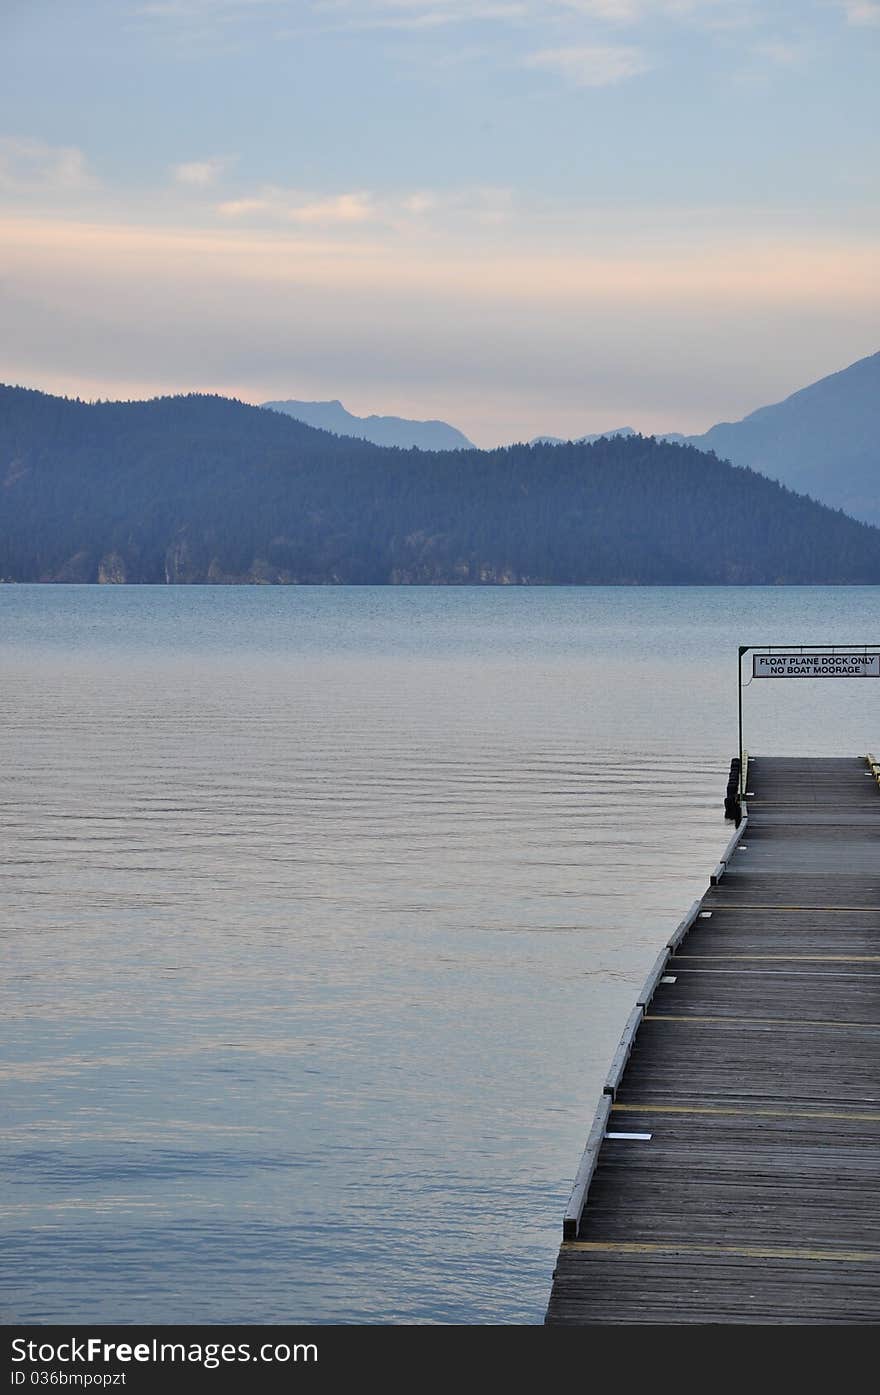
(748,1190)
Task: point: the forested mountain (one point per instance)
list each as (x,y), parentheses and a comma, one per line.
(382,431)
(823,441)
(204,489)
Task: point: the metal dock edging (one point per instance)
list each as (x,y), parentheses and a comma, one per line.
(574,1210)
(683,926)
(584,1176)
(622,1054)
(719,871)
(654,977)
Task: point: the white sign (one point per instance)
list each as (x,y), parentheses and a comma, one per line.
(816,665)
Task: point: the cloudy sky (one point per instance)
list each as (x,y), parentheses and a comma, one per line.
(521,216)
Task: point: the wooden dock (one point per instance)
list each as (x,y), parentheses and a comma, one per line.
(732,1173)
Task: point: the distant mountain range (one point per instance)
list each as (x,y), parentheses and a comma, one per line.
(823,441)
(201,489)
(382,431)
(582,440)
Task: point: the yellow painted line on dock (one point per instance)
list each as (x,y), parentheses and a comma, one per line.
(638,1247)
(775,1021)
(829,910)
(793,958)
(813,807)
(747,1112)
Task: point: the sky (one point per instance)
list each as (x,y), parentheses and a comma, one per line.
(519,216)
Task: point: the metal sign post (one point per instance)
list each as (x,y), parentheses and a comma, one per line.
(802,661)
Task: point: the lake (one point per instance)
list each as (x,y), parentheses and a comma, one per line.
(323,909)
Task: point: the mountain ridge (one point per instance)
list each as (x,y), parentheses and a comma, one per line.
(380,430)
(586,440)
(823,439)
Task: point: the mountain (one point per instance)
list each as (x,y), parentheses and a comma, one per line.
(206,489)
(382,431)
(823,441)
(582,440)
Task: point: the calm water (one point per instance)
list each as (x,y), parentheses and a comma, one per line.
(323,910)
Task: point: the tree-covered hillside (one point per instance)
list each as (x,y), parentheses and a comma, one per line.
(204,489)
